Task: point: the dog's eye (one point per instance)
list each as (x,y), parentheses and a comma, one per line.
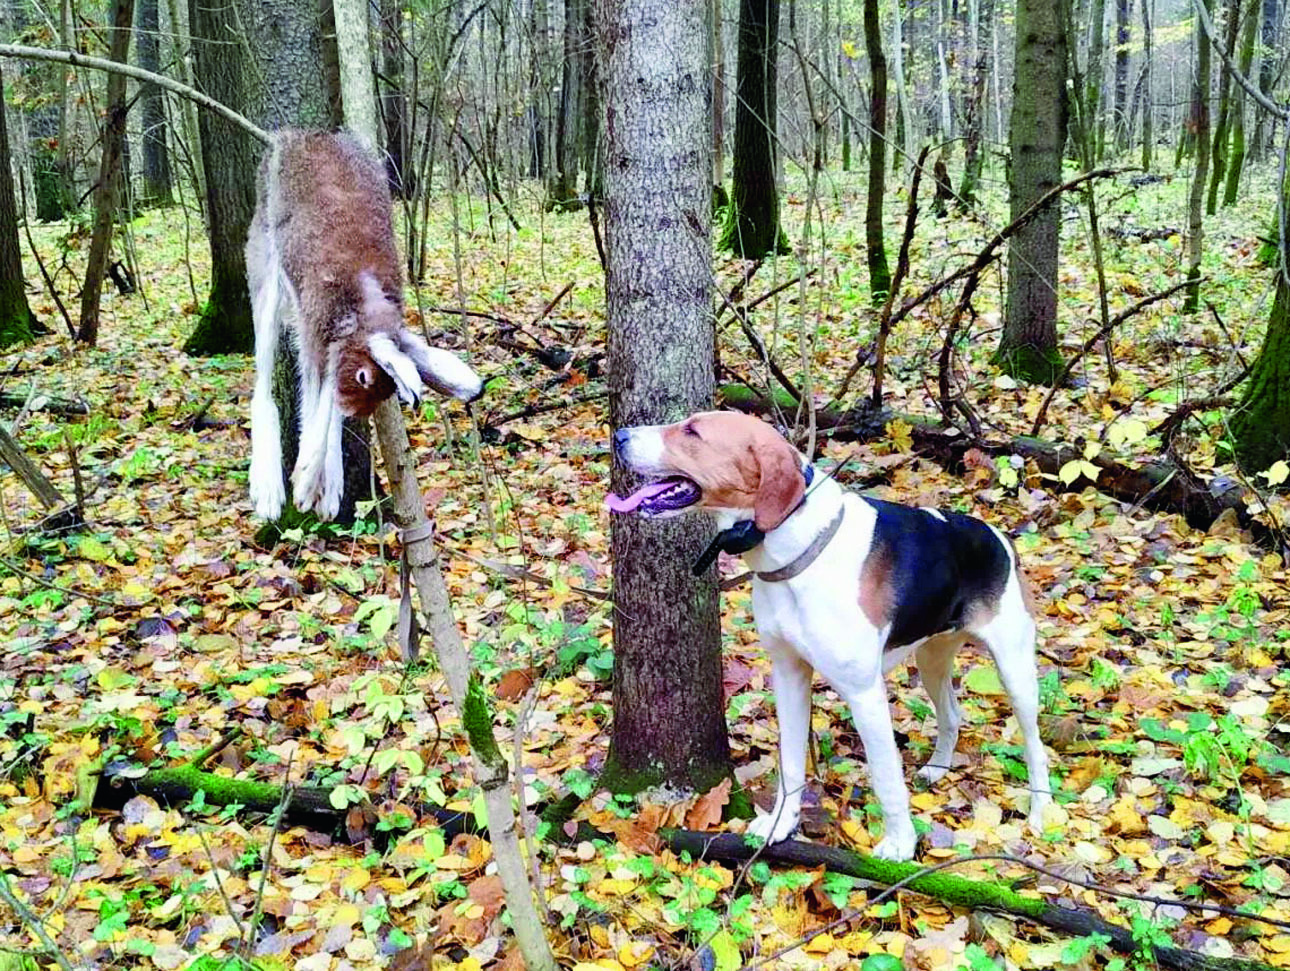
(690,430)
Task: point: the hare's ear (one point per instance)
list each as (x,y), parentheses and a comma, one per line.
(400,368)
(442,370)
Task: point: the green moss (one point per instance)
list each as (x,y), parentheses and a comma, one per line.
(477,718)
(740,395)
(1030,364)
(220,790)
(741,803)
(225,325)
(749,240)
(18,328)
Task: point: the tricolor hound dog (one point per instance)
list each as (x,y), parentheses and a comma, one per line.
(847,586)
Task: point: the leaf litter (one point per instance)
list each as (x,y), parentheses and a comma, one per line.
(1163,652)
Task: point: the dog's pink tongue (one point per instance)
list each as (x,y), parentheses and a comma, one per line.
(620,504)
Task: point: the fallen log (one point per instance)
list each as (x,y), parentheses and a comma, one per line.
(312,807)
(1160,485)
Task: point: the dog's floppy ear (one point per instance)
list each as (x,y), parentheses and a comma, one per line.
(397,364)
(781,487)
(442,370)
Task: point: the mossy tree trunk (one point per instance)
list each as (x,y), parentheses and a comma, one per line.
(156,189)
(1223,127)
(668,713)
(875,248)
(1200,129)
(1269,63)
(562,186)
(752,224)
(1148,106)
(1261,425)
(16,319)
(1237,162)
(108,190)
(1092,104)
(1036,138)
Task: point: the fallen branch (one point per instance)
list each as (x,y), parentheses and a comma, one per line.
(949,888)
(40,402)
(312,806)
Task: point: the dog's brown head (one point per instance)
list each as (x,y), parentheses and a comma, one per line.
(716,460)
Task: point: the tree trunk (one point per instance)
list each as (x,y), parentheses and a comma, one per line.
(1261,425)
(1269,61)
(16,319)
(593,166)
(1148,105)
(394,102)
(562,187)
(229,157)
(1218,153)
(974,105)
(1036,138)
(1237,162)
(719,100)
(1092,107)
(875,248)
(1123,10)
(669,722)
(752,227)
(109,184)
(1196,204)
(156,189)
(904,123)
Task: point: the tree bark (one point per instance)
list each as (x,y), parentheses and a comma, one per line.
(1261,425)
(752,227)
(974,105)
(668,713)
(1196,203)
(394,102)
(562,188)
(109,184)
(1092,110)
(229,157)
(1148,105)
(1269,60)
(1037,137)
(1222,127)
(16,319)
(1237,162)
(156,189)
(1123,11)
(875,247)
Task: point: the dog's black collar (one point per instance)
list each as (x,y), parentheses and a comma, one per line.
(743,535)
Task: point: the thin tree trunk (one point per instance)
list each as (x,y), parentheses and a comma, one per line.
(752,227)
(156,154)
(394,101)
(1092,108)
(718,101)
(1037,137)
(1196,205)
(1123,12)
(1237,162)
(668,714)
(1269,59)
(1148,104)
(1218,154)
(109,185)
(904,123)
(16,318)
(562,188)
(875,247)
(974,103)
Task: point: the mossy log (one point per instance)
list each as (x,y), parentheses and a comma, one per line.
(947,887)
(1159,485)
(311,806)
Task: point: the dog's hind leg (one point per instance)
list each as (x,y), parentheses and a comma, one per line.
(936,668)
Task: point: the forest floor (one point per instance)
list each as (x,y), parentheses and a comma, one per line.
(164,627)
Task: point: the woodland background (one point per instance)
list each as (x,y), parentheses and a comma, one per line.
(817,232)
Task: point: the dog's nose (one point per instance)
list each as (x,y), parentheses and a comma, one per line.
(620,440)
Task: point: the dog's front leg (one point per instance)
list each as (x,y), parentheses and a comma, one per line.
(869,708)
(791,679)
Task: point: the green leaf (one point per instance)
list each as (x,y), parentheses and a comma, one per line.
(983,680)
(726,951)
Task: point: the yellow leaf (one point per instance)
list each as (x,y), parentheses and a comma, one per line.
(1277,473)
(635,953)
(849,49)
(1071,471)
(900,434)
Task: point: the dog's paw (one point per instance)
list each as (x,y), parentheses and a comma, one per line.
(898,844)
(1035,819)
(932,773)
(773,827)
